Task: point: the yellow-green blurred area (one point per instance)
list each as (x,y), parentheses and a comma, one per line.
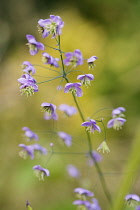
(111,31)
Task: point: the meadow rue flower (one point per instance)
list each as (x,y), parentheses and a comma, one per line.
(41,172)
(48,59)
(118,112)
(116,123)
(96,158)
(65,137)
(137,207)
(69,110)
(28,67)
(53,116)
(103,147)
(73,171)
(28,84)
(34,46)
(27,150)
(39,148)
(132,200)
(91,126)
(94,205)
(51,26)
(85,79)
(30,134)
(90,62)
(84,192)
(74,88)
(73,59)
(48,107)
(82,203)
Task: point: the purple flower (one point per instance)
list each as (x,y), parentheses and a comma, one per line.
(73,171)
(41,172)
(28,84)
(94,205)
(82,203)
(50,26)
(137,207)
(69,110)
(90,62)
(83,191)
(48,107)
(53,116)
(85,79)
(39,148)
(132,200)
(65,137)
(59,87)
(28,67)
(116,123)
(34,46)
(27,150)
(91,126)
(48,59)
(73,59)
(96,157)
(74,88)
(30,134)
(118,112)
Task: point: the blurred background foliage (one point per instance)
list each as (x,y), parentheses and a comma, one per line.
(107,29)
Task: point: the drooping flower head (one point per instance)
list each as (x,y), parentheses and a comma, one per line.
(73,59)
(27,150)
(93,205)
(41,172)
(132,200)
(30,134)
(48,107)
(91,126)
(103,147)
(65,137)
(28,67)
(90,62)
(51,26)
(53,116)
(118,112)
(74,88)
(34,46)
(48,59)
(73,171)
(116,123)
(28,85)
(69,110)
(85,79)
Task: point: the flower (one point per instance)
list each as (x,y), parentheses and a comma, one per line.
(85,79)
(41,172)
(39,148)
(96,157)
(34,46)
(50,26)
(48,107)
(116,123)
(53,116)
(132,200)
(74,88)
(30,134)
(28,67)
(91,126)
(90,62)
(94,205)
(84,192)
(82,203)
(27,150)
(137,207)
(118,112)
(73,59)
(65,137)
(28,206)
(69,110)
(73,171)
(28,84)
(103,147)
(48,59)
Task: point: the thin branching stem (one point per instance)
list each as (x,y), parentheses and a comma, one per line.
(50,80)
(48,68)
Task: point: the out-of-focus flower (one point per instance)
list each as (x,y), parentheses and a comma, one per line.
(83,191)
(34,46)
(51,26)
(118,112)
(27,150)
(51,144)
(41,172)
(94,205)
(137,207)
(132,200)
(59,87)
(85,79)
(28,67)
(90,62)
(73,171)
(116,123)
(48,59)
(39,148)
(28,205)
(53,116)
(103,147)
(81,203)
(48,107)
(96,157)
(73,58)
(65,137)
(30,134)
(74,88)
(69,110)
(91,126)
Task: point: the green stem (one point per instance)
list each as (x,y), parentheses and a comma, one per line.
(49,80)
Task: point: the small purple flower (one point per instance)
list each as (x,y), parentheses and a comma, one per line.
(53,116)
(90,62)
(83,191)
(34,46)
(50,26)
(85,79)
(85,203)
(41,172)
(48,107)
(94,205)
(39,148)
(116,123)
(73,171)
(28,67)
(30,134)
(132,200)
(27,150)
(137,207)
(91,126)
(73,59)
(96,157)
(48,59)
(69,110)
(65,137)
(118,112)
(74,88)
